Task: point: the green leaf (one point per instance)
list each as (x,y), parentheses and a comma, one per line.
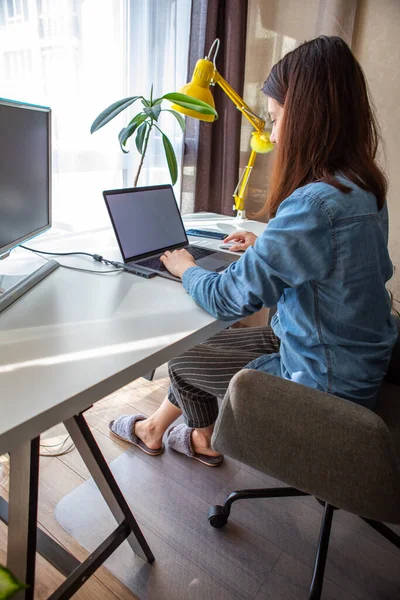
(126,132)
(140,136)
(171,159)
(197,108)
(122,139)
(151,94)
(9,585)
(177,116)
(138,119)
(191,103)
(153,111)
(111,111)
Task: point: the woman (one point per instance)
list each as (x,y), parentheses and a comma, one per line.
(322,259)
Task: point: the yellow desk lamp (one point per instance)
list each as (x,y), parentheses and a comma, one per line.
(204,75)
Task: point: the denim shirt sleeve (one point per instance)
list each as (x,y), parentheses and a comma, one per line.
(297,246)
(384,216)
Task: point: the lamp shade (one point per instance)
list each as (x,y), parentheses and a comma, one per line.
(199,88)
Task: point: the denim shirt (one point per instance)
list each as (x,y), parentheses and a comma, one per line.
(324,261)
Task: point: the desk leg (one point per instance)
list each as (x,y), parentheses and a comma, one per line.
(21,550)
(104,479)
(149,376)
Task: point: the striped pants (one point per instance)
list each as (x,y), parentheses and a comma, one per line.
(202,374)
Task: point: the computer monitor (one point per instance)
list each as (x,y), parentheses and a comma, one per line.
(25,172)
(25,178)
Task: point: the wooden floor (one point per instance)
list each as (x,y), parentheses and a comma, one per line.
(363,565)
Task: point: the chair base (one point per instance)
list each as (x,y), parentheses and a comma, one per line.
(218,517)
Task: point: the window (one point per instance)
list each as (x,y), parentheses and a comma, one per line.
(14,11)
(59,18)
(79,56)
(17,64)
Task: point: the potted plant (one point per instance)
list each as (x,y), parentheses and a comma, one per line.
(9,585)
(146,120)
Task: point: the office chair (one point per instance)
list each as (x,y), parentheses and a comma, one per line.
(345,455)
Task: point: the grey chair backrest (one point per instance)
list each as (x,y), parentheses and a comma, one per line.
(331,448)
(388,407)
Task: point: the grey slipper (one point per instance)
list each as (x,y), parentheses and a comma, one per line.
(179,439)
(124,427)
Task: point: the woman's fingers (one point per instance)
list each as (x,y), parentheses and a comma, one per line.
(236,235)
(244,239)
(177,261)
(239,247)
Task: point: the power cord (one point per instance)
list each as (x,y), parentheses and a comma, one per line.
(60,452)
(96,257)
(91,270)
(136,270)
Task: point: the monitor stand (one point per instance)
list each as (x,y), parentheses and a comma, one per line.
(19,276)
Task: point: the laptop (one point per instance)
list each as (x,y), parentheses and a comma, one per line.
(147,222)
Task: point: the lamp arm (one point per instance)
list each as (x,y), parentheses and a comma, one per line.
(240,104)
(258,124)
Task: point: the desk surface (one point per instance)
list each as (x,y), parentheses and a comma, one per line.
(77,337)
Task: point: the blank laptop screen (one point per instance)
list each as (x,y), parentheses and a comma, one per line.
(145,220)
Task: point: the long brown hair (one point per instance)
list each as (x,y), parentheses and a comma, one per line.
(328,125)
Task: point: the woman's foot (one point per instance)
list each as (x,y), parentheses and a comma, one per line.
(148,432)
(201,443)
(124,428)
(183,439)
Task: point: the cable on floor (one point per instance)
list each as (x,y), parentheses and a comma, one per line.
(60,452)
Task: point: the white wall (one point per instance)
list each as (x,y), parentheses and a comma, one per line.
(376,45)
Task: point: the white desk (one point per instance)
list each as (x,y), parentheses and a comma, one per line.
(77,337)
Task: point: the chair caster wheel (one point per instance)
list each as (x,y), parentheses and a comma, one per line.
(217,517)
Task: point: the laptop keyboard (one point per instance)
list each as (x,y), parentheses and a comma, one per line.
(155,263)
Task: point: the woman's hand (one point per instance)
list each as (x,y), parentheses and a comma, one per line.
(244,239)
(177,261)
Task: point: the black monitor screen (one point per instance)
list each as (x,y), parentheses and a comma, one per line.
(24,172)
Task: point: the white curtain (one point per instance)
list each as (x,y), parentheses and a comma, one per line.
(79,56)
